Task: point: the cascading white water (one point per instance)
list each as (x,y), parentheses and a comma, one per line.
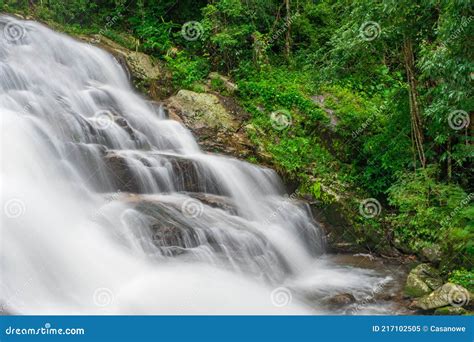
(109,207)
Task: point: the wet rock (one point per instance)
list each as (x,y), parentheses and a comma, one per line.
(216,201)
(432,253)
(121,174)
(186,174)
(123,123)
(422,280)
(448,294)
(173,233)
(216,121)
(342,299)
(170,232)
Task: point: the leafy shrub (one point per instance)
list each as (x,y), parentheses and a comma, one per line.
(432,212)
(187,71)
(464,278)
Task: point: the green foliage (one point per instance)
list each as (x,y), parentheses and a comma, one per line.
(187,71)
(464,278)
(226,32)
(156,37)
(433,212)
(293,148)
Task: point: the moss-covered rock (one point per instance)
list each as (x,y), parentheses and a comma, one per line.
(202,110)
(422,280)
(215,120)
(447,295)
(432,253)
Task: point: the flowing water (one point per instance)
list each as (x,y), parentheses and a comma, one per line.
(109,207)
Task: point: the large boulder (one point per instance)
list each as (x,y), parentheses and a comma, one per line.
(201,110)
(422,280)
(448,294)
(432,254)
(216,121)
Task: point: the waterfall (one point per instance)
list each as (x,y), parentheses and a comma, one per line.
(110,207)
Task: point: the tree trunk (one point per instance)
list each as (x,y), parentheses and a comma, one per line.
(288,30)
(416,124)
